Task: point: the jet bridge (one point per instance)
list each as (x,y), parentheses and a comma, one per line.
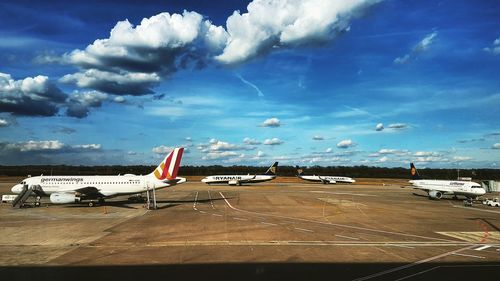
(25,194)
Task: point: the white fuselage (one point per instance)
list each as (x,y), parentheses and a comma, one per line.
(327,179)
(465,188)
(107,186)
(237,179)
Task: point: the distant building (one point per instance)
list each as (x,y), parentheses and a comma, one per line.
(491,186)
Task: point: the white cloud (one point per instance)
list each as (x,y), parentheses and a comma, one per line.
(495,47)
(188,139)
(92,146)
(133,58)
(379,127)
(219,155)
(384,159)
(31,96)
(287,23)
(79,103)
(271,122)
(425,153)
(329,150)
(4,123)
(345,144)
(162,149)
(46,146)
(119,99)
(496,146)
(422,46)
(250,141)
(316,137)
(273,141)
(130,83)
(462,158)
(398,126)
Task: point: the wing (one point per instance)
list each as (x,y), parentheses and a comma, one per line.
(87,191)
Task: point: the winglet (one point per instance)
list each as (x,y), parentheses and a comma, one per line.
(169,167)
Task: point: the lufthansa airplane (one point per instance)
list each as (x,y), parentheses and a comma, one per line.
(324,179)
(270,174)
(71,189)
(437,188)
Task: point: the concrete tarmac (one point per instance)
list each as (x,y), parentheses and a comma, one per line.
(266,231)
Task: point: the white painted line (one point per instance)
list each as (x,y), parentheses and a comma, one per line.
(411,264)
(202,212)
(195,201)
(210,197)
(335,224)
(402,246)
(483,247)
(342,236)
(240,219)
(464,255)
(476,209)
(268,223)
(217,215)
(303,229)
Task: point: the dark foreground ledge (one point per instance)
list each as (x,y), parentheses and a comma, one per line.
(258,271)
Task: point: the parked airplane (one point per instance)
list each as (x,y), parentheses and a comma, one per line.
(324,179)
(71,189)
(270,174)
(437,188)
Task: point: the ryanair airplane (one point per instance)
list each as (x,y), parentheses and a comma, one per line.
(270,174)
(323,179)
(71,189)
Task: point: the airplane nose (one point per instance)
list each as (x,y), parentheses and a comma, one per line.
(16,188)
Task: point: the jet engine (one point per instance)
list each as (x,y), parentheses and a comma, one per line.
(234,182)
(434,194)
(64,198)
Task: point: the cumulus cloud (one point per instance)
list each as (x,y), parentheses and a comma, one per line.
(422,46)
(379,127)
(345,143)
(250,141)
(4,122)
(79,103)
(496,146)
(494,48)
(31,96)
(384,159)
(122,83)
(273,141)
(288,23)
(329,150)
(135,58)
(318,138)
(398,126)
(92,146)
(271,122)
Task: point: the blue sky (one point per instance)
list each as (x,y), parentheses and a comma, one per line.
(364,82)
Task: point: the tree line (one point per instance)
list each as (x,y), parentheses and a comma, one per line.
(349,171)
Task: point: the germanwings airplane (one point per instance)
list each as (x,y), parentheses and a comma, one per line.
(437,188)
(270,174)
(324,179)
(71,189)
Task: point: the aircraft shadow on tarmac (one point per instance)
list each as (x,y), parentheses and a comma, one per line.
(169,203)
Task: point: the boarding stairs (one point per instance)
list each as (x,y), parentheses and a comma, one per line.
(25,194)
